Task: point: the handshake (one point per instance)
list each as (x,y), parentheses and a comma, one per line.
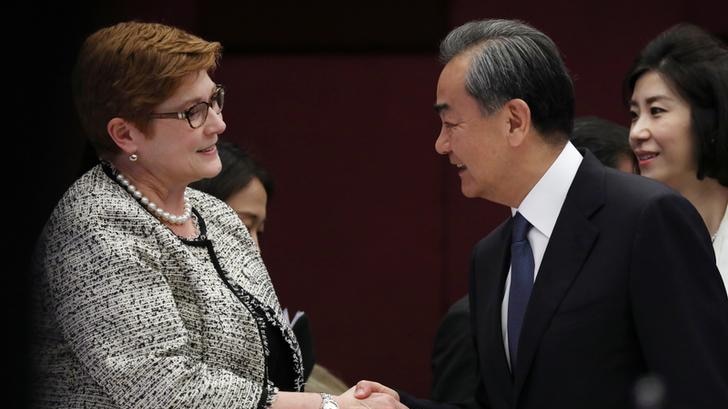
(369,395)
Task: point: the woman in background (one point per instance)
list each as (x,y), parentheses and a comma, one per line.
(247,187)
(244,185)
(678,98)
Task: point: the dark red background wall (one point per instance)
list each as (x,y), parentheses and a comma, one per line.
(368,232)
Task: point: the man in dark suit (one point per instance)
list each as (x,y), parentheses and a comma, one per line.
(601,277)
(454,362)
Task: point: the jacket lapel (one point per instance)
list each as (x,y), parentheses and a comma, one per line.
(571,242)
(488,276)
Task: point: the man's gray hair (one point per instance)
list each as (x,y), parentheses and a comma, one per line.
(511,59)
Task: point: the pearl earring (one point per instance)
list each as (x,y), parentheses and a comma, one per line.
(133,157)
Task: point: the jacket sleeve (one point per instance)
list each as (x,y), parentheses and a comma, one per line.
(454,362)
(679,304)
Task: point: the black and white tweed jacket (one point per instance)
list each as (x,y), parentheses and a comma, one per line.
(131,316)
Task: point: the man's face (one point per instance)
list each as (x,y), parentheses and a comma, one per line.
(474,142)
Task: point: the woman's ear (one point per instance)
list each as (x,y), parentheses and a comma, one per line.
(124,134)
(519,121)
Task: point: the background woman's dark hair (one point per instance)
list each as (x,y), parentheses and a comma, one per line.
(695,65)
(238,169)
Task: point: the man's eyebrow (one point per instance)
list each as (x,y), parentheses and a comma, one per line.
(441,107)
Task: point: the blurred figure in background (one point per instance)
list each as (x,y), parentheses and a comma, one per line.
(608,141)
(247,188)
(244,185)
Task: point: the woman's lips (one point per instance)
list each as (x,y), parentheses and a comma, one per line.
(209,149)
(646,158)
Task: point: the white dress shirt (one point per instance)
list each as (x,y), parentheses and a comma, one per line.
(541,207)
(720,246)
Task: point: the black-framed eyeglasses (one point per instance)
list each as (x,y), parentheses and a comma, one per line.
(196,115)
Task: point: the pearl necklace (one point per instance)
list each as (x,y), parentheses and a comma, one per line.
(152,207)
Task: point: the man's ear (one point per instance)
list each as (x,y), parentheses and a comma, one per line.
(519,121)
(124,134)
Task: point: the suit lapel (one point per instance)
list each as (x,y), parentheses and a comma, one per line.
(571,242)
(488,276)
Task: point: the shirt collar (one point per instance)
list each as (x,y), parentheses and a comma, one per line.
(542,205)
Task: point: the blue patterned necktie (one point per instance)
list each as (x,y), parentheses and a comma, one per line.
(521,282)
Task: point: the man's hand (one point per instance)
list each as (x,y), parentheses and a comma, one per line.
(371,395)
(364,389)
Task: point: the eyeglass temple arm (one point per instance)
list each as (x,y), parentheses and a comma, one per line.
(176,115)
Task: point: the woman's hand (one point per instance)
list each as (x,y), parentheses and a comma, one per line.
(369,395)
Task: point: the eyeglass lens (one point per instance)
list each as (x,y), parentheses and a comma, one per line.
(197,115)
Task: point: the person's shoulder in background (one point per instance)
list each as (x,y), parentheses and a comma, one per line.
(454,366)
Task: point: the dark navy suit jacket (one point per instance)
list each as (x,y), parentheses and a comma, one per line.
(454,361)
(627,287)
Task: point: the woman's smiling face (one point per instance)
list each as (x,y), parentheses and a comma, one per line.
(661,133)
